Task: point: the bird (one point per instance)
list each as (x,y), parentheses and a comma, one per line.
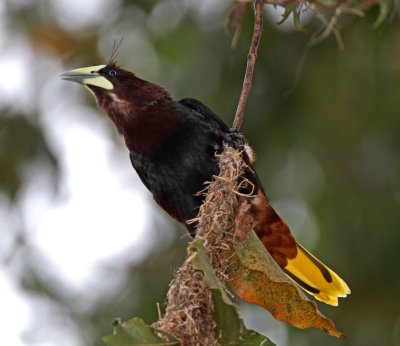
(172,146)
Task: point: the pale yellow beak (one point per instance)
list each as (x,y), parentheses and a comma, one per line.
(88,76)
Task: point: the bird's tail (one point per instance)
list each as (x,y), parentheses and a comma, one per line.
(301,266)
(315,277)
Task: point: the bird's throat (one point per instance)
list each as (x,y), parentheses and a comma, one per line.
(143,125)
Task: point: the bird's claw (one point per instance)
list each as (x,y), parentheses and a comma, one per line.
(235,139)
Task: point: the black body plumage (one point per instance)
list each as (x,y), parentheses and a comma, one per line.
(176,169)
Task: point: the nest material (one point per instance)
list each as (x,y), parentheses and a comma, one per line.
(190,304)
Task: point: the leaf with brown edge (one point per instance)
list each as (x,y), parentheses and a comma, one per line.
(256,278)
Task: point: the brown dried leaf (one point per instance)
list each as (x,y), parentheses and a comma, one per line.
(256,278)
(235,20)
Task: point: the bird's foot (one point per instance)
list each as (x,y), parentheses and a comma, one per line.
(235,139)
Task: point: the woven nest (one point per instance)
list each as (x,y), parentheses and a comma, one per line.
(190,305)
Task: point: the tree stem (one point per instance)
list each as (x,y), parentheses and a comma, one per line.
(251,60)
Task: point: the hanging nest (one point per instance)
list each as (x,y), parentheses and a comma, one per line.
(189,313)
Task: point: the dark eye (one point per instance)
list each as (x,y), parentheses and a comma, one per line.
(112,73)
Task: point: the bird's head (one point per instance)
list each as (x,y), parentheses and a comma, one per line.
(113,86)
(127,99)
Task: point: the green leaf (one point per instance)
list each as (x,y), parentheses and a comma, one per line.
(384,11)
(136,332)
(296,18)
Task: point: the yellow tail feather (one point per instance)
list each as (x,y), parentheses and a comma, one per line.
(316,278)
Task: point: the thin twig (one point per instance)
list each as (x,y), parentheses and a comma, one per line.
(251,60)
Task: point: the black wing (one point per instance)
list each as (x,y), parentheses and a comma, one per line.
(205,112)
(229,136)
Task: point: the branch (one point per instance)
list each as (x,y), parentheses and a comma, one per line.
(251,60)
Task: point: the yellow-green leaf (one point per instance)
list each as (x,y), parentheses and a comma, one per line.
(136,332)
(384,10)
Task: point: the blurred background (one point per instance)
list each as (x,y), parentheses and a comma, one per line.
(82,242)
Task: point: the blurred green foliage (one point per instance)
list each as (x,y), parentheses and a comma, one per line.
(324,122)
(22,142)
